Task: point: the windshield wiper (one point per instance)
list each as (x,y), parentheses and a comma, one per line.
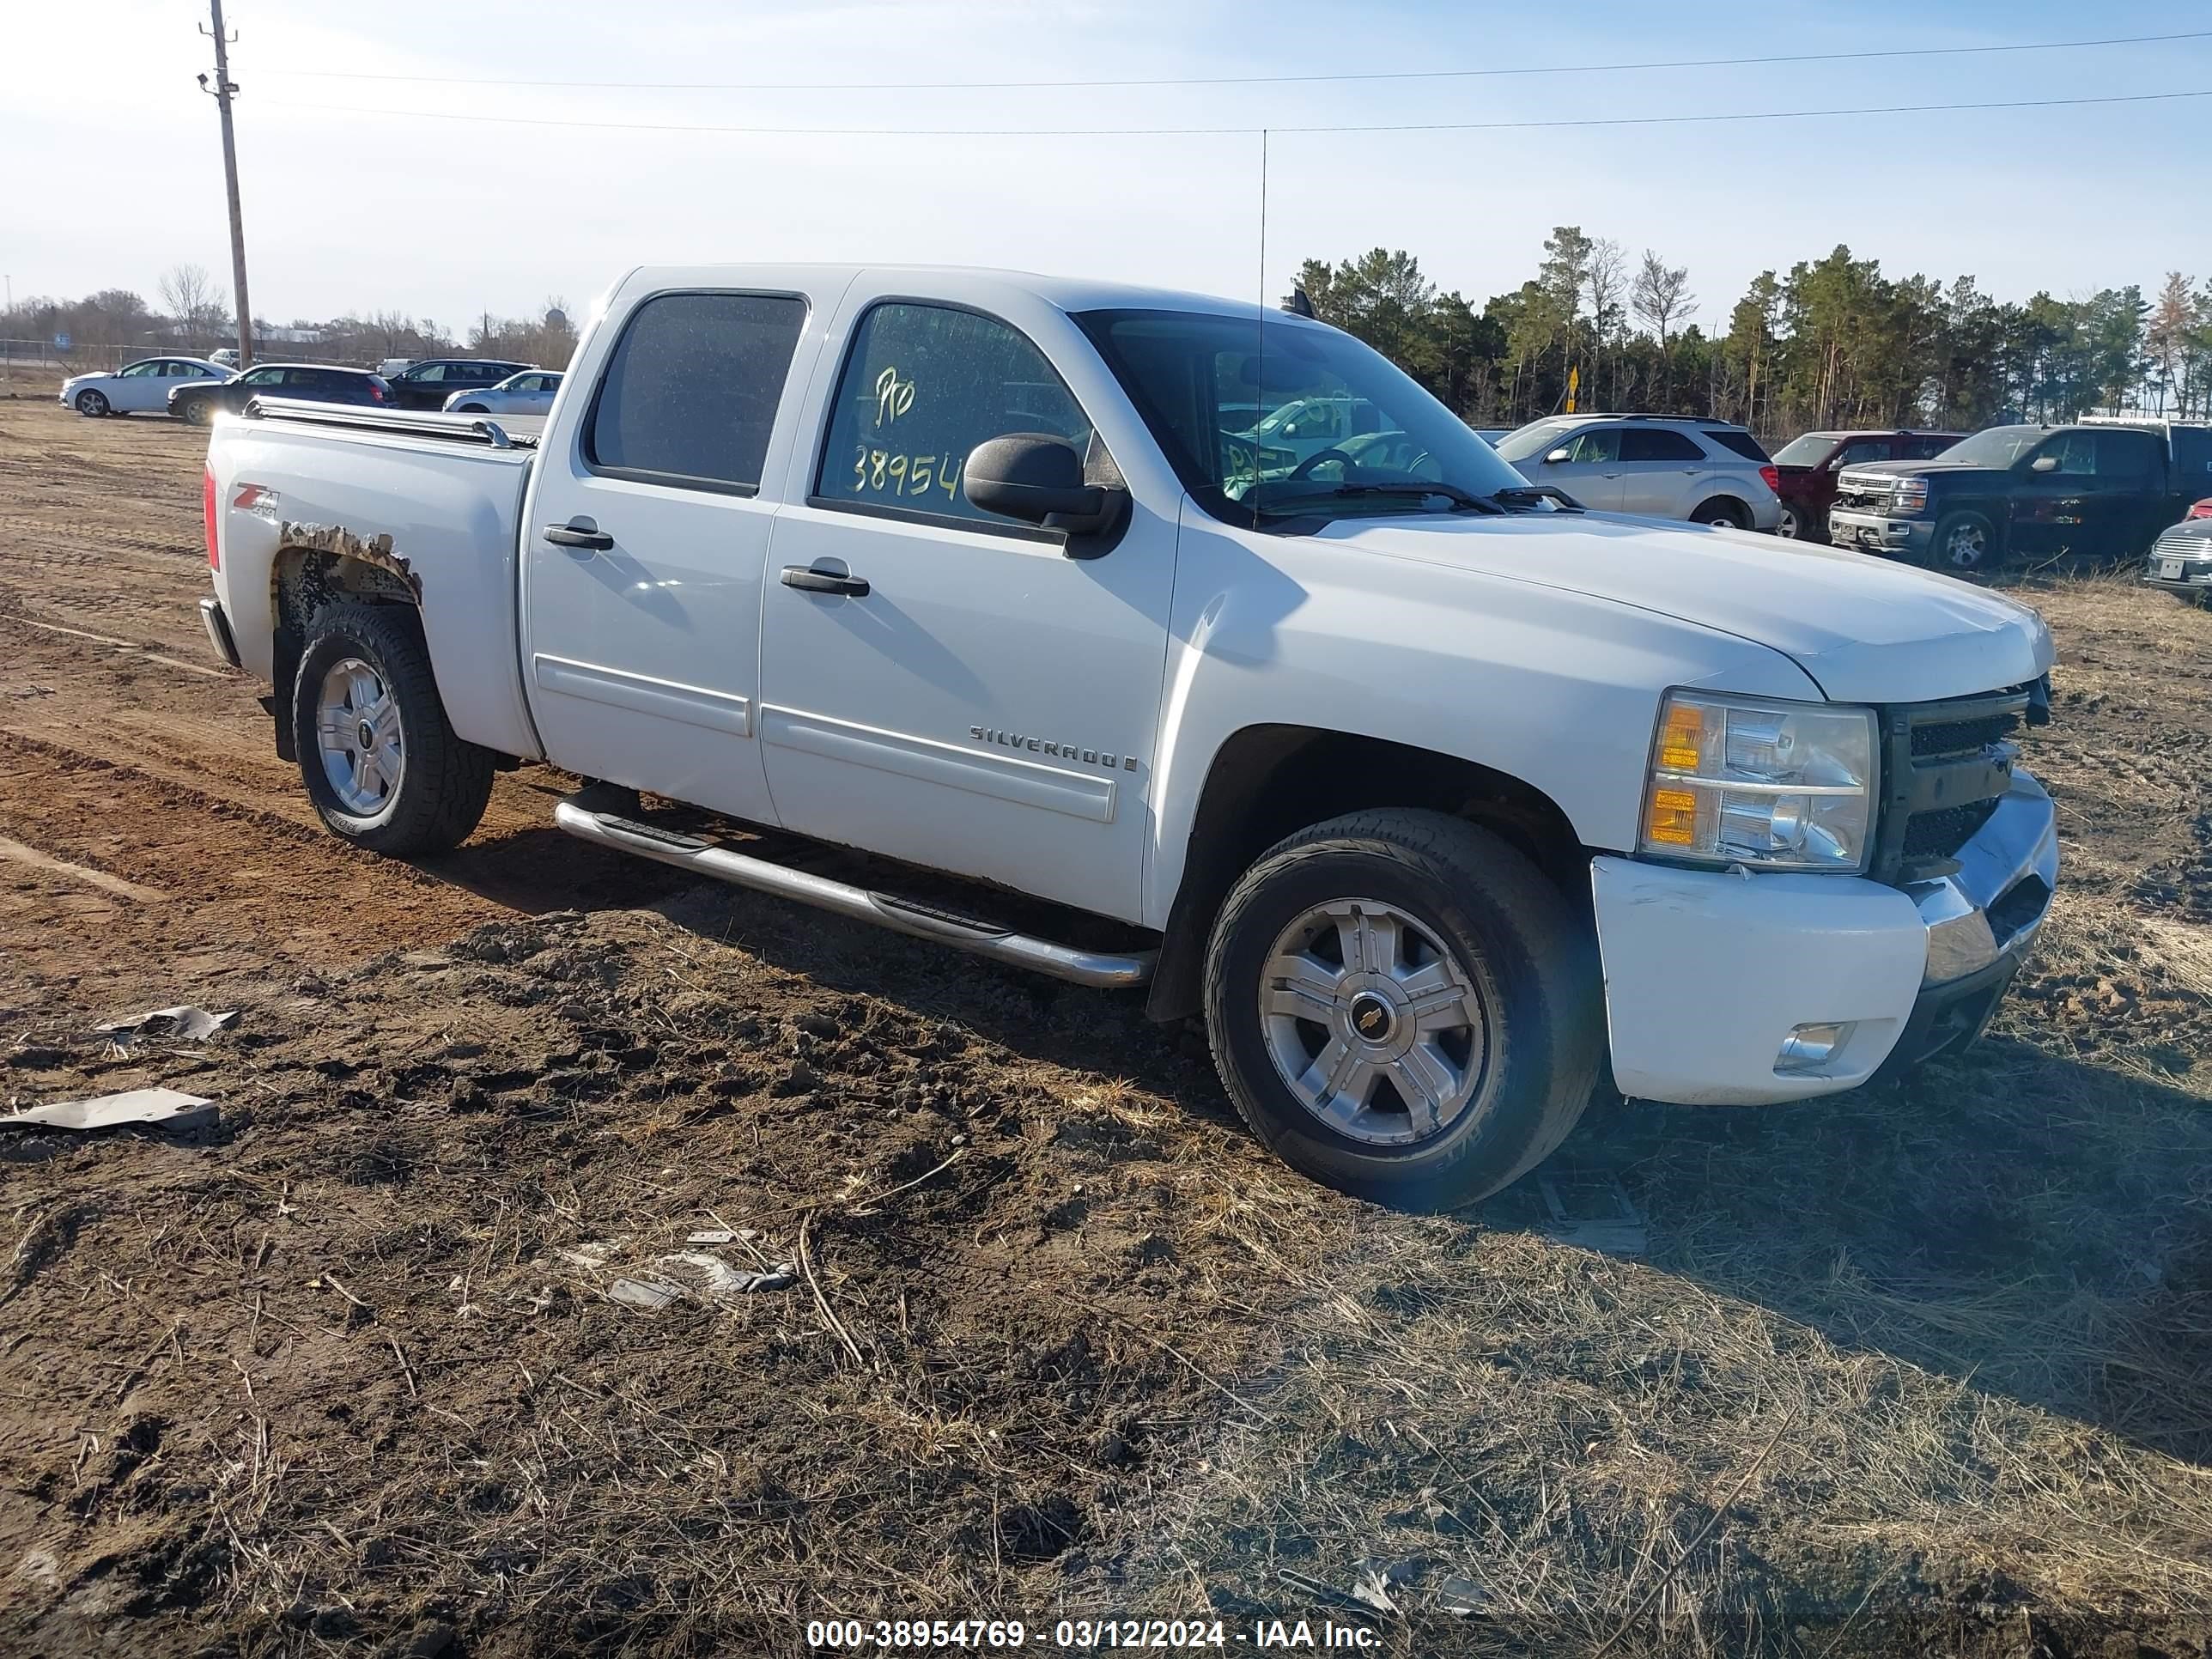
(1530,494)
(1459,498)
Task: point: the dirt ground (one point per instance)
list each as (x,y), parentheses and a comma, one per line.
(1039,1332)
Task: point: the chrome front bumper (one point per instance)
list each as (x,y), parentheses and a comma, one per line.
(1995,903)
(1877,532)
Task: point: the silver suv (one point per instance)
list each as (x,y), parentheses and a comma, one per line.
(1660,466)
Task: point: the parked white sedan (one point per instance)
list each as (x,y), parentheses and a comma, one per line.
(139,388)
(530,392)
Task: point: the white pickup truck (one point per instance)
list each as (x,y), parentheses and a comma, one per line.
(1433,793)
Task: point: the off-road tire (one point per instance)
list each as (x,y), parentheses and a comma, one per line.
(444,779)
(1722,510)
(1534,963)
(1939,556)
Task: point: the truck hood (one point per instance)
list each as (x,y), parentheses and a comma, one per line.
(1920,469)
(1865,628)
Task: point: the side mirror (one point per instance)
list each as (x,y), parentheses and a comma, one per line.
(1039,480)
(2044,463)
(1555,457)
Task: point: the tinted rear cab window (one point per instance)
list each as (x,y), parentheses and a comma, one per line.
(691,394)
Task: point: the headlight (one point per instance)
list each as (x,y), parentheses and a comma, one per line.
(1782,785)
(1910,495)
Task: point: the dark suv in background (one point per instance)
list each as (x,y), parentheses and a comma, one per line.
(197,401)
(428,384)
(2099,488)
(1807,467)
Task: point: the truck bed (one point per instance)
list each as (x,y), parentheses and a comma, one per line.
(435,499)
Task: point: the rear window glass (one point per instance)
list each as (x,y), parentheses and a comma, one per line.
(690,395)
(1741,442)
(1643,443)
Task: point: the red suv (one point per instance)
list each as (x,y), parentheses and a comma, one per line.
(1808,466)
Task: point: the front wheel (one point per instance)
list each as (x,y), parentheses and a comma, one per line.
(197,411)
(1788,526)
(384,767)
(91,404)
(1404,1008)
(1964,543)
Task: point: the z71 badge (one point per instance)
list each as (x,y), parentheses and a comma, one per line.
(1105,757)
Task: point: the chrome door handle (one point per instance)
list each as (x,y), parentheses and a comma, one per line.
(811,581)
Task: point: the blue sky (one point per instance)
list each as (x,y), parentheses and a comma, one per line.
(363,211)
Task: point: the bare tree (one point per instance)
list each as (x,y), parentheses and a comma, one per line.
(189,294)
(1606,285)
(1661,295)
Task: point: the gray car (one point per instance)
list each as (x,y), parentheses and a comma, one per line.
(1659,466)
(530,392)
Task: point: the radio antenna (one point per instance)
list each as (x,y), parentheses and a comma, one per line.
(1259,373)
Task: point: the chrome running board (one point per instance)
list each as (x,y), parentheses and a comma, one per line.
(901,915)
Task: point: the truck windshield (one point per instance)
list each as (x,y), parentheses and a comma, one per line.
(2001,445)
(1344,433)
(1809,451)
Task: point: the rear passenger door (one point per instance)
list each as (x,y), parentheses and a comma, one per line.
(644,542)
(1660,471)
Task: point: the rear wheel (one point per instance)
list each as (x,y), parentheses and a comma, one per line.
(382,764)
(1721,512)
(91,404)
(1404,1008)
(1964,543)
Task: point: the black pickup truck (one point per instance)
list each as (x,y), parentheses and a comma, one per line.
(2103,489)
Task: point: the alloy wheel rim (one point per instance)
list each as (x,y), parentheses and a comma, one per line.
(1787,526)
(1966,545)
(359,734)
(1372,1024)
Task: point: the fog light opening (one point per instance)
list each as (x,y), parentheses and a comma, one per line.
(1811,1048)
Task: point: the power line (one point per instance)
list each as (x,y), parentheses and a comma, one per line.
(1229,132)
(1254,80)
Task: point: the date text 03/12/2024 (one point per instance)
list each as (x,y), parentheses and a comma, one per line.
(1091,1635)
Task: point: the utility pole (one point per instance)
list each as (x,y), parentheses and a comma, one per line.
(223,90)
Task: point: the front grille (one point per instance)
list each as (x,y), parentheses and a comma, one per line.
(1864,493)
(1939,834)
(1945,766)
(1962,737)
(2182,541)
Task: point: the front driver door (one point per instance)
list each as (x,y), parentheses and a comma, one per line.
(985,703)
(2051,504)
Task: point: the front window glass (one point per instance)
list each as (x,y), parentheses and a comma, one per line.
(1999,446)
(266,377)
(1536,439)
(136,369)
(1599,448)
(2077,453)
(1866,449)
(923,386)
(1808,451)
(1343,430)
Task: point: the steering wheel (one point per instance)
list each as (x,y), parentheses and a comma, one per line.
(1304,469)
